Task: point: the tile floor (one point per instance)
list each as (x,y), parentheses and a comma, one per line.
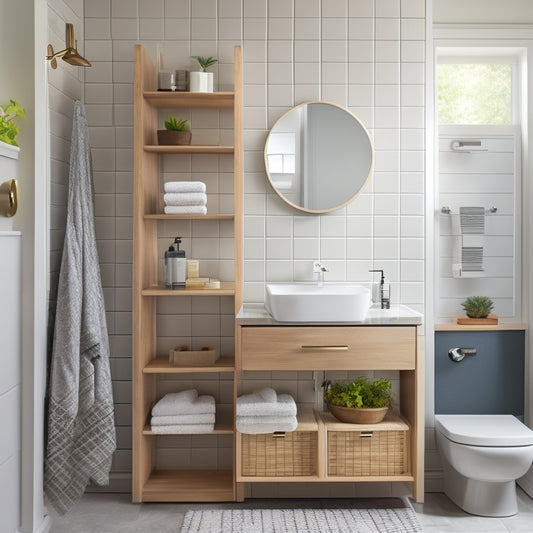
(114,513)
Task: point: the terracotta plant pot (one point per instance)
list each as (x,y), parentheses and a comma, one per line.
(356,415)
(171,137)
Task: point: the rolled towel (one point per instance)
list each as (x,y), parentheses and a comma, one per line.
(185,210)
(175,402)
(185,429)
(175,420)
(184,186)
(255,405)
(185,198)
(284,423)
(268,394)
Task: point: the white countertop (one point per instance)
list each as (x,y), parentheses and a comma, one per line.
(398,315)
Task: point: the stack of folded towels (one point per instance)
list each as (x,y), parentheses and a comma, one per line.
(185,197)
(184,413)
(266,411)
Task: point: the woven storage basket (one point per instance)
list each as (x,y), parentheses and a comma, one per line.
(355,450)
(269,455)
(382,454)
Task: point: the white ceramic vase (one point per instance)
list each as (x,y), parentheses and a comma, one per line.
(201,82)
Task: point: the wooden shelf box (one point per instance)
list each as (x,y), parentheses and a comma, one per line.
(148,483)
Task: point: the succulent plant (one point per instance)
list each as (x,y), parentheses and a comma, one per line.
(177,124)
(478,306)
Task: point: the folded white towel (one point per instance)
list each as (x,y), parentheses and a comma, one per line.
(284,423)
(175,420)
(184,186)
(185,429)
(175,402)
(255,404)
(185,210)
(185,198)
(270,419)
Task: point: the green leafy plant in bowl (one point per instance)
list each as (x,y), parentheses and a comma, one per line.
(478,306)
(8,129)
(177,131)
(360,401)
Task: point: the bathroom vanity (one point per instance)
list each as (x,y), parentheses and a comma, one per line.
(385,340)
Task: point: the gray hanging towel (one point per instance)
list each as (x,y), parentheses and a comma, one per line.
(81,429)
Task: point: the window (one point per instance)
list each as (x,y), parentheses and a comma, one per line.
(475,93)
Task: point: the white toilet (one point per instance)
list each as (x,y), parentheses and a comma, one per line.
(482,457)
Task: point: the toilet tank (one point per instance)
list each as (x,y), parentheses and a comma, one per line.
(490,382)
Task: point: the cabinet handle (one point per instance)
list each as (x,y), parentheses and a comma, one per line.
(368,434)
(327,347)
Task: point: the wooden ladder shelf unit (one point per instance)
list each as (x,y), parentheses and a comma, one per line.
(149,483)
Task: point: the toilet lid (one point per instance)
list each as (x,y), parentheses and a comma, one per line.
(484,430)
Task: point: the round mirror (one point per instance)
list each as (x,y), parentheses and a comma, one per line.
(318,156)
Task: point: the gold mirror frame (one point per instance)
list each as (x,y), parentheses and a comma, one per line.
(364,181)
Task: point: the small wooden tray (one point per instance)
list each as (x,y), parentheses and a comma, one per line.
(182,356)
(491,320)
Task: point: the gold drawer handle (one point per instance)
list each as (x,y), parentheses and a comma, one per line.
(368,434)
(327,347)
(278,435)
(8,198)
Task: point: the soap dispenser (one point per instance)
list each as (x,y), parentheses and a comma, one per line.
(175,266)
(383,291)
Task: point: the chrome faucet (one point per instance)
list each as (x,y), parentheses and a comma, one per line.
(319,268)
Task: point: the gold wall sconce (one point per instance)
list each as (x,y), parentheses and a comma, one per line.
(8,198)
(70,53)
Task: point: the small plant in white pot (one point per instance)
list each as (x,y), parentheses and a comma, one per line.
(177,131)
(202,82)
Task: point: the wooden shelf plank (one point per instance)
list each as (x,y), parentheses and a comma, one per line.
(160,365)
(227,288)
(403,477)
(215,216)
(188,149)
(189,486)
(454,326)
(190,100)
(221,428)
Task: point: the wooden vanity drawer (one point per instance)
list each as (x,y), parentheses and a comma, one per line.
(328,348)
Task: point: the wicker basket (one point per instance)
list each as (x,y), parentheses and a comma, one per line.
(377,450)
(273,455)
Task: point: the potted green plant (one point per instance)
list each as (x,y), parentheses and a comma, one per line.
(177,131)
(8,129)
(202,81)
(477,309)
(360,401)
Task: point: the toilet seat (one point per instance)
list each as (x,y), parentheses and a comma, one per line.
(484,430)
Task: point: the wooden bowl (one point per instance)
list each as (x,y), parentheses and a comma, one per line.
(356,415)
(172,137)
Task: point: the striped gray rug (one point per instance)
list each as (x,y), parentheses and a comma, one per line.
(401,520)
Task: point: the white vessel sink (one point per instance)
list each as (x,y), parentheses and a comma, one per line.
(300,302)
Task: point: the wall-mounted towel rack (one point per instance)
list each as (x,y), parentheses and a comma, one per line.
(447,210)
(467,146)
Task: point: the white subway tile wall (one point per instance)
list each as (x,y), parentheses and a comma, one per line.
(367,55)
